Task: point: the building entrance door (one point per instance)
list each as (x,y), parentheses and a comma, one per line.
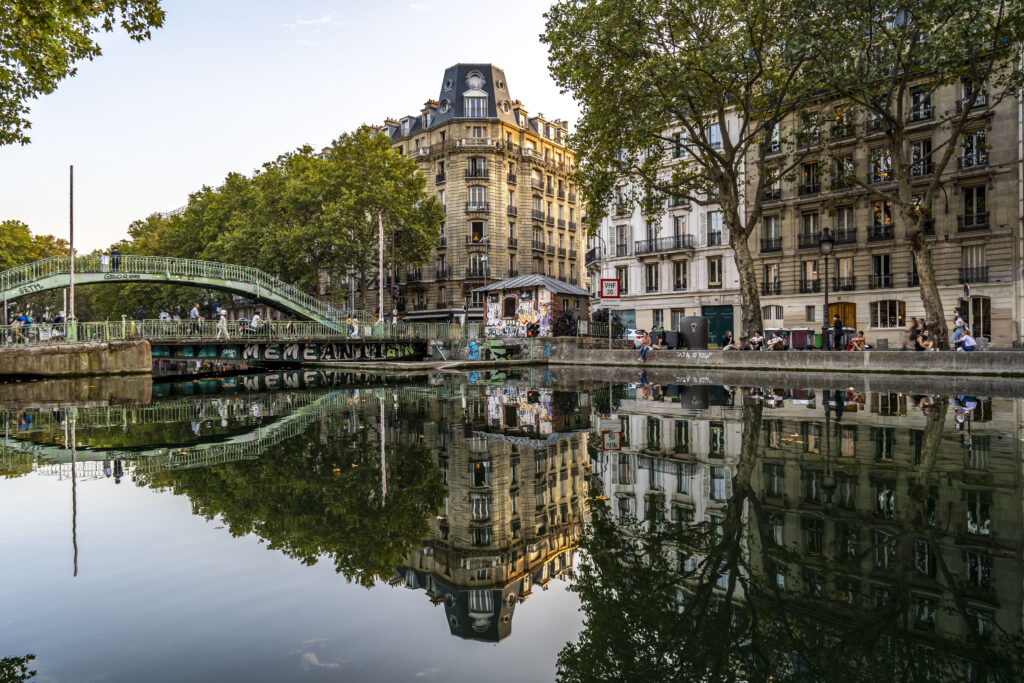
(847,313)
(719,322)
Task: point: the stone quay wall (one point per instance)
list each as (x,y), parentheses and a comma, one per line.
(84,358)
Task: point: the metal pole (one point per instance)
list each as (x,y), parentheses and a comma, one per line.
(825,343)
(609,328)
(71,260)
(74,496)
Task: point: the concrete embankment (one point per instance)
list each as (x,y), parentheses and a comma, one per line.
(81,392)
(84,358)
(978,363)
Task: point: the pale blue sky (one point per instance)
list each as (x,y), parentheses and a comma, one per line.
(229,84)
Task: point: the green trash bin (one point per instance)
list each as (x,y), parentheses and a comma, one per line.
(817,340)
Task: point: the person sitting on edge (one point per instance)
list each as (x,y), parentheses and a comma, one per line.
(728,343)
(755,343)
(859,342)
(924,341)
(775,342)
(967,341)
(645,346)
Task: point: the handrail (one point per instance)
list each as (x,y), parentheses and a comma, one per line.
(173,269)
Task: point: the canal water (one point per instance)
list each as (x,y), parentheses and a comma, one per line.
(531,526)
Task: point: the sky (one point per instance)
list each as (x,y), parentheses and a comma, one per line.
(227,85)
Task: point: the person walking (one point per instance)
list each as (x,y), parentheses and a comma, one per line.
(115,259)
(222,325)
(837,334)
(195,319)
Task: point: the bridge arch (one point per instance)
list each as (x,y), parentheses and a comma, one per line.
(54,273)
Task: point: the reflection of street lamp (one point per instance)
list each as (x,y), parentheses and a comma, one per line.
(828,484)
(826,244)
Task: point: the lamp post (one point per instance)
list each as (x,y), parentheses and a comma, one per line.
(394,285)
(826,244)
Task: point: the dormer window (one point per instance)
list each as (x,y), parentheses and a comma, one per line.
(475,106)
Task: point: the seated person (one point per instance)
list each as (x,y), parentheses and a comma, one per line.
(775,343)
(859,342)
(924,342)
(755,343)
(967,341)
(728,343)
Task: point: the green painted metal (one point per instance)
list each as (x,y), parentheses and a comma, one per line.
(207,331)
(54,273)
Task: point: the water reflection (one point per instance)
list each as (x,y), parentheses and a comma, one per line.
(16,669)
(726,532)
(792,535)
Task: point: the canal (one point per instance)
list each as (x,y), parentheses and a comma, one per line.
(513,526)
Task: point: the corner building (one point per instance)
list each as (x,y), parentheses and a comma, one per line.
(503,179)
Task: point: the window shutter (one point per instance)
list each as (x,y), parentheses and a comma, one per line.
(728,484)
(704,227)
(705,476)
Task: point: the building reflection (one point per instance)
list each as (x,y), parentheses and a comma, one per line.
(887,524)
(514,461)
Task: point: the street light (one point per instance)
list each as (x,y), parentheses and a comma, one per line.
(826,244)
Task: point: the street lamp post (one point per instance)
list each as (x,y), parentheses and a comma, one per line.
(826,245)
(394,285)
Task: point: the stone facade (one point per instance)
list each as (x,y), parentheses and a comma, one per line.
(503,177)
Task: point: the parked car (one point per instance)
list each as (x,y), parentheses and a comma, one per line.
(636,335)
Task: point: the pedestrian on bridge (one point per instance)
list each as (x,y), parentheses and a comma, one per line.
(222,325)
(115,259)
(195,319)
(254,326)
(104,262)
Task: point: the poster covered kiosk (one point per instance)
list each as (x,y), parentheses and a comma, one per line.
(533,306)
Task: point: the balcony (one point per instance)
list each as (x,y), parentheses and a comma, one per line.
(572,254)
(678,286)
(972,275)
(771,244)
(714,284)
(922,169)
(808,240)
(845,236)
(476,273)
(513,243)
(561,252)
(561,223)
(443,273)
(512,178)
(714,239)
(808,188)
(550,190)
(439,178)
(413,275)
(477,206)
(572,226)
(771,194)
(538,186)
(880,233)
(574,281)
(443,243)
(621,210)
(880,281)
(844,284)
(979,101)
(663,244)
(478,240)
(420,306)
(538,215)
(549,219)
(622,250)
(561,195)
(879,175)
(512,211)
(512,272)
(913,280)
(969,161)
(771,288)
(572,197)
(923,112)
(445,304)
(538,245)
(550,249)
(592,255)
(810,286)
(477,172)
(971,222)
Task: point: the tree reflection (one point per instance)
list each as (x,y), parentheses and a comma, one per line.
(740,600)
(16,669)
(320,494)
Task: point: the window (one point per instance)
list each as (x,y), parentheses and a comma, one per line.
(651,277)
(974,203)
(924,558)
(885,549)
(809,313)
(476,229)
(679,269)
(920,104)
(974,152)
(715,272)
(885,499)
(979,519)
(888,313)
(810,178)
(481,474)
(921,158)
(881,212)
(814,534)
(718,491)
(810,225)
(771,228)
(682,445)
(978,569)
(714,228)
(881,270)
(476,107)
(477,197)
(771,312)
(481,535)
(881,166)
(622,275)
(480,506)
(774,476)
(715,136)
(843,169)
(775,139)
(844,221)
(678,145)
(653,438)
(659,318)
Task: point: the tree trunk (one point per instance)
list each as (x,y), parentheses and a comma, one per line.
(934,318)
(750,297)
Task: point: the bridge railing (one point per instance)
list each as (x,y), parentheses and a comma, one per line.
(209,330)
(179,271)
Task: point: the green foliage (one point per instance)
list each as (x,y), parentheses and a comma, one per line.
(42,40)
(19,246)
(293,498)
(15,669)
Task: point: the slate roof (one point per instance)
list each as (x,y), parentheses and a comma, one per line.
(535,280)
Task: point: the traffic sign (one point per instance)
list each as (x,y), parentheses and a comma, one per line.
(609,288)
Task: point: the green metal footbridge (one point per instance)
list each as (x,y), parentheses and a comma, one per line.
(54,273)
